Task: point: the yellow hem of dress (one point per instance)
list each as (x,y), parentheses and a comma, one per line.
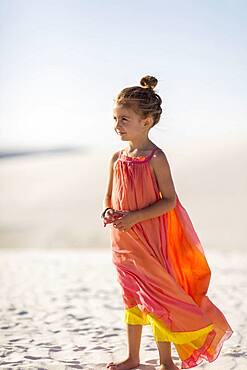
(134,316)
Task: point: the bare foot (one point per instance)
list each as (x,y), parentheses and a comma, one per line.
(127,364)
(170,366)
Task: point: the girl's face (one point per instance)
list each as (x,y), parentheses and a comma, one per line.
(128,125)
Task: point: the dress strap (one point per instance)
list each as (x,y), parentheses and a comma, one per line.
(152,152)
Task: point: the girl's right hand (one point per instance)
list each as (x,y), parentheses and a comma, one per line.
(111,215)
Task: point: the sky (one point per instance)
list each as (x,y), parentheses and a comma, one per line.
(63,62)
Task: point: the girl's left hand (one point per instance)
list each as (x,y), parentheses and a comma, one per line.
(126,220)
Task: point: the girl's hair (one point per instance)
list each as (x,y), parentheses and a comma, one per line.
(143,100)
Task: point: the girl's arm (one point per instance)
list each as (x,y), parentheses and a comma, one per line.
(162,172)
(107,198)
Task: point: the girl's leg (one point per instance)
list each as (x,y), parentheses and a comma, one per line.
(134,340)
(166,362)
(133,358)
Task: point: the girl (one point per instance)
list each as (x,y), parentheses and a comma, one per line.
(160,262)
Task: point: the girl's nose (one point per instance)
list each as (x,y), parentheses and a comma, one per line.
(117,126)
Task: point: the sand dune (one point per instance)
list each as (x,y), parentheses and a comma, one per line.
(51,201)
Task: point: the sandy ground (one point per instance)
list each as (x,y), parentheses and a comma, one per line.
(62,309)
(60,303)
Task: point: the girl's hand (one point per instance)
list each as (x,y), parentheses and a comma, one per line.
(111,216)
(107,219)
(125,220)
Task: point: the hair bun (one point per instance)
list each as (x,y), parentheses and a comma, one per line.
(149,82)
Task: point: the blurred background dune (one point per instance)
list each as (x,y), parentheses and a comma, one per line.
(55,200)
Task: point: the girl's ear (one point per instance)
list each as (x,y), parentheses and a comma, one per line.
(148,121)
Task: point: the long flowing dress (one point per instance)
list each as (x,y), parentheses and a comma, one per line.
(162,268)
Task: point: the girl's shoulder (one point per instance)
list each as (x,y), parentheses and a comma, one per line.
(159,159)
(158,153)
(114,157)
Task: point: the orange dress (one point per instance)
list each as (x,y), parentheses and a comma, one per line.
(162,269)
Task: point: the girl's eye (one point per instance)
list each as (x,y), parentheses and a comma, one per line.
(124,119)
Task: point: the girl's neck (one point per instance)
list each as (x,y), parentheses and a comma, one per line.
(140,145)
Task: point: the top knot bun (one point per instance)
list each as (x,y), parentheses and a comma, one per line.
(149,82)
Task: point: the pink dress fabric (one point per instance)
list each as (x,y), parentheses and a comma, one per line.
(161,265)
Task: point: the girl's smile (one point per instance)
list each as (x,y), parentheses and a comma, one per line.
(127,122)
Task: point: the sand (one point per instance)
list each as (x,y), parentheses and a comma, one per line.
(60,303)
(63,310)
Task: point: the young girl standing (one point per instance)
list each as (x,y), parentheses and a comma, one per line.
(160,262)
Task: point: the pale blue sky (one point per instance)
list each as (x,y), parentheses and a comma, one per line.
(62,63)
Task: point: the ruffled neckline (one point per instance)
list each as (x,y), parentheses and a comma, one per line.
(140,158)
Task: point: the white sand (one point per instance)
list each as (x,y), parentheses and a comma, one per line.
(63,310)
(60,303)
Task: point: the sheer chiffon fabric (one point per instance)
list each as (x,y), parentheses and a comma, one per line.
(162,269)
